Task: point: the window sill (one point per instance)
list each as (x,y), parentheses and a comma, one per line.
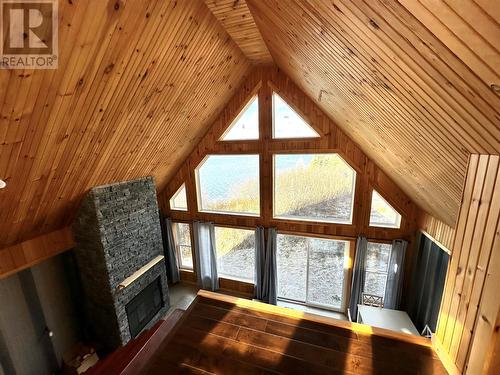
(312,310)
(239,280)
(374,225)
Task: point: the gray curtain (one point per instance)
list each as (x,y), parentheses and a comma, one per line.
(260,261)
(268,285)
(394,286)
(358,276)
(171,263)
(430,263)
(206,256)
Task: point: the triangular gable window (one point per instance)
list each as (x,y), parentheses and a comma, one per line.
(179,199)
(382,214)
(287,123)
(246,125)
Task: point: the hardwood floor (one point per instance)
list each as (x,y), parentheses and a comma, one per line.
(224,337)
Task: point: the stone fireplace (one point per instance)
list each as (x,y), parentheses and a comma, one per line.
(120,259)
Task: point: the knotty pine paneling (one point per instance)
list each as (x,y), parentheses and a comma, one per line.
(137,85)
(236,18)
(262,82)
(414,82)
(469,310)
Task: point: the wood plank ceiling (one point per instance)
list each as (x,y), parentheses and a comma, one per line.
(236,18)
(415,83)
(130,98)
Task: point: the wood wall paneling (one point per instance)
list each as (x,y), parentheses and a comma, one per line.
(369,176)
(492,363)
(237,288)
(26,254)
(188,276)
(129,99)
(436,230)
(413,82)
(263,81)
(470,306)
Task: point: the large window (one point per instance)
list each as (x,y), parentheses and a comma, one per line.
(235,253)
(182,237)
(312,271)
(229,184)
(313,187)
(377,267)
(382,214)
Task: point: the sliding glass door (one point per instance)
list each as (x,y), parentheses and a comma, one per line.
(312,271)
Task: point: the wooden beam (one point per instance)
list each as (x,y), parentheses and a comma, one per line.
(28,253)
(237,20)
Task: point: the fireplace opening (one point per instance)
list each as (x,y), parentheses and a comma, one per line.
(144,306)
